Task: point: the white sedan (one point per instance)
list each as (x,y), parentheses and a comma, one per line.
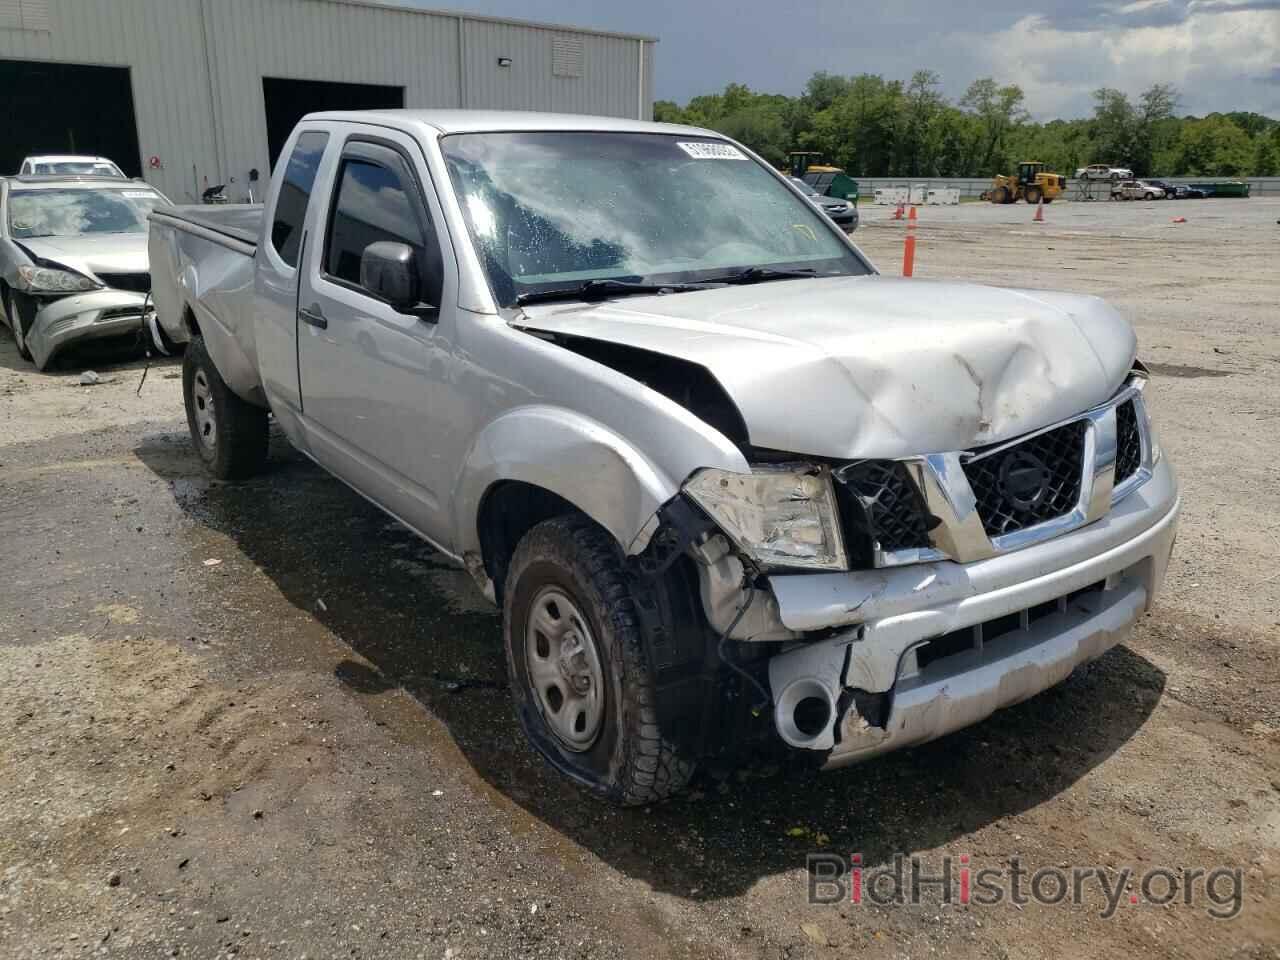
(1136,190)
(73,260)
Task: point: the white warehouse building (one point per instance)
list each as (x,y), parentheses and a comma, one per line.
(192,93)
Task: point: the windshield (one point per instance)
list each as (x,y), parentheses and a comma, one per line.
(803,187)
(79,168)
(550,211)
(73,212)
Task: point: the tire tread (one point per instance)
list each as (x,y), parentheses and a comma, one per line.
(651,768)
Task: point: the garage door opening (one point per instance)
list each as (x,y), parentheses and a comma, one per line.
(67,108)
(288,101)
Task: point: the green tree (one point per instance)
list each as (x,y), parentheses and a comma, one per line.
(1151,127)
(1213,147)
(919,107)
(998,110)
(666,111)
(1113,128)
(872,126)
(1266,154)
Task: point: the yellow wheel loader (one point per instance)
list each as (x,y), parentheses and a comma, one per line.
(1031,183)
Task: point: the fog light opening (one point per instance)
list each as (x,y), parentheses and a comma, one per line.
(812,715)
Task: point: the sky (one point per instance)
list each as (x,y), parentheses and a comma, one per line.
(1221,54)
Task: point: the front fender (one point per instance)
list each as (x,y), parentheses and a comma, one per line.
(572,456)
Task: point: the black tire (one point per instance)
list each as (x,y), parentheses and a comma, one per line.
(628,760)
(15,306)
(229,434)
(1000,195)
(1033,195)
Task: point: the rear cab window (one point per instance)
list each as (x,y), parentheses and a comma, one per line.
(295,192)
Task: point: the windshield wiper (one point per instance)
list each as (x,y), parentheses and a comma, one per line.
(605,287)
(760,274)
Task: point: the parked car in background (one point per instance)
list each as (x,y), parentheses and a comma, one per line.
(1186,191)
(73,260)
(1136,190)
(728,486)
(65,165)
(1101,171)
(842,212)
(1164,185)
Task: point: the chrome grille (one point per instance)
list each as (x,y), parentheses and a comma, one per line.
(889,509)
(1128,441)
(1060,451)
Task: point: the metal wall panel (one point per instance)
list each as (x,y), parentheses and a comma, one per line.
(196,68)
(160,42)
(609,85)
(309,40)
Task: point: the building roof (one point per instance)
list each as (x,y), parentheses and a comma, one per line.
(493,121)
(402,6)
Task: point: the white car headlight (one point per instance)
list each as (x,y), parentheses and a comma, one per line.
(49,280)
(783,516)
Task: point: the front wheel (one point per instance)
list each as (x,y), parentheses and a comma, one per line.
(15,306)
(578,666)
(1033,195)
(229,434)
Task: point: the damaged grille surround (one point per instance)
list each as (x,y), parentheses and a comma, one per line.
(967,504)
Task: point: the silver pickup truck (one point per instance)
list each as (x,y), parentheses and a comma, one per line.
(727,484)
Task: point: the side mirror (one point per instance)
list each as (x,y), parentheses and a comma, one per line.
(389,271)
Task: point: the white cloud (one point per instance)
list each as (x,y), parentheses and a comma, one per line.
(1209,57)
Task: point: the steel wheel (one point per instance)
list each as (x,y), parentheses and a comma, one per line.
(564,669)
(206,419)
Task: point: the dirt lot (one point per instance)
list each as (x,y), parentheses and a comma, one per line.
(265,721)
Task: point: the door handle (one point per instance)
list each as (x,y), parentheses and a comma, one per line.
(314,317)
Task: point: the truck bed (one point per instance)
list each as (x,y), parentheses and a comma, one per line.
(237,223)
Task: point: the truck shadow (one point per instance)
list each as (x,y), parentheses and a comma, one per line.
(415,623)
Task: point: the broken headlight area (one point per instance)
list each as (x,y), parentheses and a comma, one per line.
(885,515)
(779,515)
(36,279)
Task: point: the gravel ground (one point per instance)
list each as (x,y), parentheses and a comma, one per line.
(265,721)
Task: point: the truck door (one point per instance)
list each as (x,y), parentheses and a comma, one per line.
(374,371)
(276,275)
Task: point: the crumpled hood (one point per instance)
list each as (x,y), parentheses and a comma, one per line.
(109,252)
(852,367)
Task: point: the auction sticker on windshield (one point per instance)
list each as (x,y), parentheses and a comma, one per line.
(701,150)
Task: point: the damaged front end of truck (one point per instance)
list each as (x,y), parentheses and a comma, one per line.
(853,605)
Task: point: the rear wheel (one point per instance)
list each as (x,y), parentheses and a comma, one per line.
(1033,195)
(229,434)
(578,666)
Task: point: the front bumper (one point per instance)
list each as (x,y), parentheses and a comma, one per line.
(79,317)
(1069,600)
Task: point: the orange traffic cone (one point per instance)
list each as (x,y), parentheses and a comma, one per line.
(1039,217)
